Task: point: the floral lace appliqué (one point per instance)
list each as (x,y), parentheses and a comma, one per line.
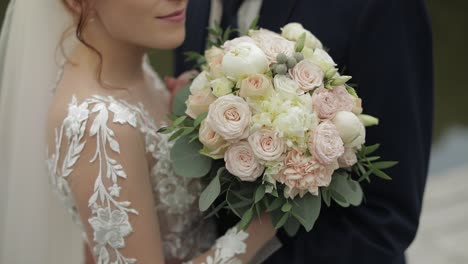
(228,247)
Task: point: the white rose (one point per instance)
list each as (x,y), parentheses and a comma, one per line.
(199,102)
(293,32)
(244,59)
(200,83)
(267,145)
(255,85)
(348,159)
(221,86)
(350,128)
(308,75)
(214,145)
(319,57)
(230,116)
(241,162)
(214,58)
(286,86)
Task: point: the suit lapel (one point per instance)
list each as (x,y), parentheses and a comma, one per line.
(196,25)
(275,13)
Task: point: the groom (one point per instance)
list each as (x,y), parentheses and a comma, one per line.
(387,47)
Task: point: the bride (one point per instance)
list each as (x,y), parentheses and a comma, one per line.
(106,160)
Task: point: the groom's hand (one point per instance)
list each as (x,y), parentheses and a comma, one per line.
(175,84)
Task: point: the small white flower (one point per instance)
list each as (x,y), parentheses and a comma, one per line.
(77,114)
(123,114)
(114,190)
(232,243)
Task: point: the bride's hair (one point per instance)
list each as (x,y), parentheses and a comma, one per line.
(81,19)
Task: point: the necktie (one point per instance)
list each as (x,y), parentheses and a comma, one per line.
(229,17)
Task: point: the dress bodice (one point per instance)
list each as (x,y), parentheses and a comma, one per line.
(184,233)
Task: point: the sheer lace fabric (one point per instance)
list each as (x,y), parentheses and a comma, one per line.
(94,125)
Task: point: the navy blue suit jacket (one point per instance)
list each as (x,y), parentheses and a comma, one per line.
(386,45)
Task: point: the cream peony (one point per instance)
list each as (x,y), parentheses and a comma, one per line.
(286,86)
(293,31)
(201,82)
(229,116)
(348,159)
(199,102)
(241,162)
(255,85)
(214,145)
(244,59)
(308,75)
(325,143)
(267,145)
(230,44)
(303,174)
(272,44)
(350,128)
(221,86)
(327,103)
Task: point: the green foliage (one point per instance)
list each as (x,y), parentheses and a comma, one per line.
(211,192)
(370,165)
(188,162)
(179,107)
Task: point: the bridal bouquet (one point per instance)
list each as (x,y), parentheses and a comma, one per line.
(273,127)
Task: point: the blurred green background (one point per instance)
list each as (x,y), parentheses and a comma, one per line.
(450,27)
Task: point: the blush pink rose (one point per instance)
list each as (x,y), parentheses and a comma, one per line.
(229,116)
(348,159)
(272,44)
(327,103)
(308,75)
(199,102)
(303,174)
(241,162)
(326,144)
(267,145)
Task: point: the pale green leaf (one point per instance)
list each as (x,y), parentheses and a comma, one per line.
(307,210)
(209,195)
(188,162)
(179,107)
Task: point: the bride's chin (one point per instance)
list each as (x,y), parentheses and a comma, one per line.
(170,40)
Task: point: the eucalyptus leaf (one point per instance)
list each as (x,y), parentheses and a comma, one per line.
(282,221)
(259,193)
(286,207)
(326,196)
(179,107)
(307,209)
(276,204)
(246,219)
(292,226)
(339,199)
(188,162)
(209,195)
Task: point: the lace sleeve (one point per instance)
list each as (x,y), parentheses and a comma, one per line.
(104,166)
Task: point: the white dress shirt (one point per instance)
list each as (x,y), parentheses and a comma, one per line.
(248,11)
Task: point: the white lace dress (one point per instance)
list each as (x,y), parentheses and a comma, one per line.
(92,125)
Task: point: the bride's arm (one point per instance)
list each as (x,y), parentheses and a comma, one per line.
(111,186)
